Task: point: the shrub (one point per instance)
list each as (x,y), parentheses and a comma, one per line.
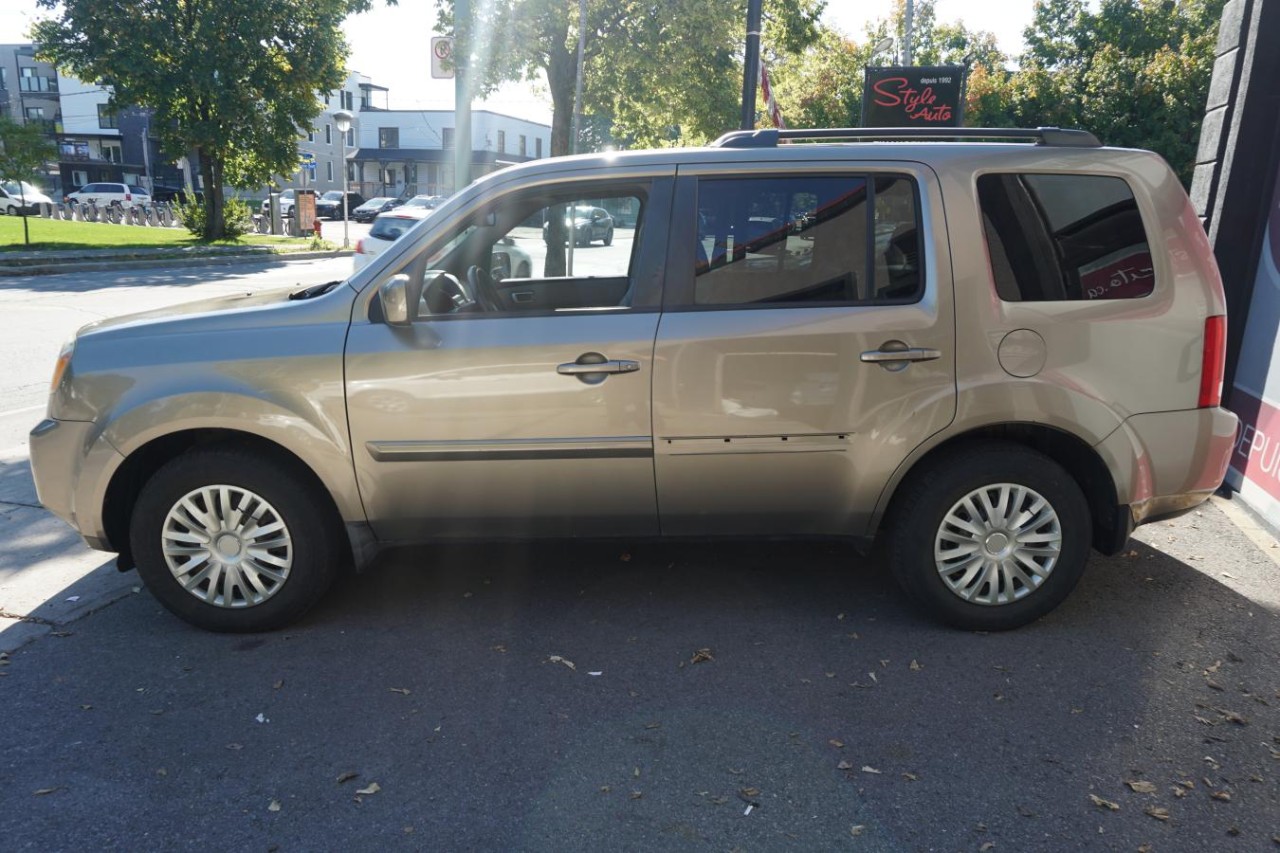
(237,218)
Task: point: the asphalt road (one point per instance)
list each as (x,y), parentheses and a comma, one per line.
(640,696)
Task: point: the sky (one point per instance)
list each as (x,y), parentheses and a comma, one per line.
(391,44)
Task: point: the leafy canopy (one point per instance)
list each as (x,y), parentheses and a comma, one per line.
(229,79)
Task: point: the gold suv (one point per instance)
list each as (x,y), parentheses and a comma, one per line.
(995,353)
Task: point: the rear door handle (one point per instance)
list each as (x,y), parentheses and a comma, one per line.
(881,356)
(575,368)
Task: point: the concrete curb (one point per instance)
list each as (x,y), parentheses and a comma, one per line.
(56,268)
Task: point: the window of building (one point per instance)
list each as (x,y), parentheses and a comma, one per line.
(351,138)
(328,168)
(446,137)
(351,172)
(311,134)
(79,178)
(524,146)
(805,240)
(390,178)
(502,142)
(4,77)
(112,152)
(107,117)
(388,137)
(328,134)
(34,113)
(537,148)
(1064,237)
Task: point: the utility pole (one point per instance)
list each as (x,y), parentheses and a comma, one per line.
(577,122)
(906,35)
(751,67)
(461,94)
(149,182)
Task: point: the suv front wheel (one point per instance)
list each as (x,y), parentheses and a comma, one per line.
(992,540)
(234,541)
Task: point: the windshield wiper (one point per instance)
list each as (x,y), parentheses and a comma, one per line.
(314,290)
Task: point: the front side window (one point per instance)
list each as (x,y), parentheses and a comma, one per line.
(805,240)
(1064,238)
(540,252)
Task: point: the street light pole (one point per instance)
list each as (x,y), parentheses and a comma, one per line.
(342,118)
(751,69)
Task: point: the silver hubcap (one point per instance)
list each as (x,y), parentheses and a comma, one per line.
(998,544)
(227,546)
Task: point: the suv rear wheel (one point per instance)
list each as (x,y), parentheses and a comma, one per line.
(234,541)
(992,540)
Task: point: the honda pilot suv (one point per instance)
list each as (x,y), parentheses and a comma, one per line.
(992,353)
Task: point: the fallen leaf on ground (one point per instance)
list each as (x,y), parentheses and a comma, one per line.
(347,777)
(635,795)
(989,845)
(86,707)
(1216,666)
(1221,795)
(844,765)
(1142,786)
(911,777)
(564,661)
(278,684)
(1178,792)
(274,807)
(838,744)
(1213,684)
(1158,812)
(40,792)
(855,831)
(866,768)
(1106,804)
(701,656)
(235,746)
(1232,717)
(1187,783)
(653,725)
(499,648)
(749,793)
(372,788)
(403,691)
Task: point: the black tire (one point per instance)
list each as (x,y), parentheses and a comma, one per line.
(931,494)
(608,237)
(318,547)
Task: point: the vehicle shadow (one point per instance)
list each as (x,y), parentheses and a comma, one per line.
(551,696)
(185,272)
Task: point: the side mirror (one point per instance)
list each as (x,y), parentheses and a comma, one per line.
(400,297)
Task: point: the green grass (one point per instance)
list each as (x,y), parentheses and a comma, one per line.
(54,234)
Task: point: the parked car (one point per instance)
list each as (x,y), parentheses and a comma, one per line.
(172,195)
(507,259)
(371,208)
(107,194)
(286,203)
(329,205)
(13,196)
(992,395)
(430,202)
(589,223)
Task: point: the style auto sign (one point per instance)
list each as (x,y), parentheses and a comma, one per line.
(920,96)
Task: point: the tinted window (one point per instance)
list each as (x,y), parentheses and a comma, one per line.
(137,190)
(1064,237)
(807,240)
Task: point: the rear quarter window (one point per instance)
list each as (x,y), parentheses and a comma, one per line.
(1064,237)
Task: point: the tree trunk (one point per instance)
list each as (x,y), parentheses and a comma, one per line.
(561,78)
(211,172)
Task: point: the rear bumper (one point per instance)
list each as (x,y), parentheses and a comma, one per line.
(1166,463)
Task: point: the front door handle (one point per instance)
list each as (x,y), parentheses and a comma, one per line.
(881,356)
(577,368)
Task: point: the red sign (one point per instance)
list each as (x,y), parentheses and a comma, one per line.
(924,96)
(1127,277)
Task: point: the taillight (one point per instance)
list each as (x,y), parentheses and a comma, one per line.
(360,247)
(1214,361)
(128,197)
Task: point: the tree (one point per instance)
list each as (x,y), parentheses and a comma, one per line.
(822,85)
(663,71)
(231,80)
(24,149)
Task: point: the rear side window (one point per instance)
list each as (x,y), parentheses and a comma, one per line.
(807,240)
(137,190)
(1064,237)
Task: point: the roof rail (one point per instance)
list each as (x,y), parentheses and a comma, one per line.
(770,137)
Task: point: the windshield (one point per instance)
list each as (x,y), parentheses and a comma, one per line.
(375,202)
(420,201)
(12,188)
(332,195)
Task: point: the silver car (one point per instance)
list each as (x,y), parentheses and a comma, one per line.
(993,355)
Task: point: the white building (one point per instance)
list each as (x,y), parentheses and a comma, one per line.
(410,152)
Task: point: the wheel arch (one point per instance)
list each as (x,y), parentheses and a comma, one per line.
(128,479)
(1111,520)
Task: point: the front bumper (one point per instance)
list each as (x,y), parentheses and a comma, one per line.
(70,464)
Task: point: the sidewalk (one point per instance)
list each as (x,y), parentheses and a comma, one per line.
(96,260)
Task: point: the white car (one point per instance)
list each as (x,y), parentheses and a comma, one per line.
(14,195)
(508,260)
(111,195)
(286,204)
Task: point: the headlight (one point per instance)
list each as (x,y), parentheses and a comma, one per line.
(64,361)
